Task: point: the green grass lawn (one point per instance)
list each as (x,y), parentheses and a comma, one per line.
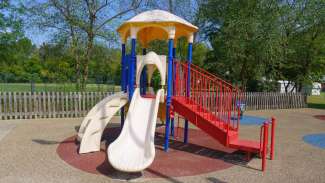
(316,101)
(66,87)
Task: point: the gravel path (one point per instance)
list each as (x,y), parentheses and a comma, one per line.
(28,152)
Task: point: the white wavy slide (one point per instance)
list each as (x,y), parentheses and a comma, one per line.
(94,124)
(134,149)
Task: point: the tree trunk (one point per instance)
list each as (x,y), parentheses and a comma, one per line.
(293,88)
(243,74)
(86,61)
(286,86)
(170,3)
(74,45)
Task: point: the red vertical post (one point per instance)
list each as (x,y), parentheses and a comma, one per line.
(210,108)
(238,109)
(220,102)
(265,143)
(205,96)
(227,105)
(216,102)
(272,138)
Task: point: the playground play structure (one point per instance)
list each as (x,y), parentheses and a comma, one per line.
(205,100)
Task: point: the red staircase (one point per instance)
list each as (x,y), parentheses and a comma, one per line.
(210,103)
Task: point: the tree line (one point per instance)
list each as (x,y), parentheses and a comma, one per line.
(252,43)
(255,43)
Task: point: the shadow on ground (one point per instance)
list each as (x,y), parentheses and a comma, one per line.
(236,158)
(215,180)
(103,167)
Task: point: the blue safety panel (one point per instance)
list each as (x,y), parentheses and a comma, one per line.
(316,140)
(251,120)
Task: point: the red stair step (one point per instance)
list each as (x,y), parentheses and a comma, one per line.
(245,145)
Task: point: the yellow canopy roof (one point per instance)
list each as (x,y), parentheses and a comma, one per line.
(156,24)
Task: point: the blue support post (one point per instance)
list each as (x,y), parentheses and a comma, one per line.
(169,92)
(143,80)
(174,52)
(123,80)
(188,88)
(132,67)
(123,70)
(172,124)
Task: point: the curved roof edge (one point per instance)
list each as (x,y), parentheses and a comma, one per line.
(157,17)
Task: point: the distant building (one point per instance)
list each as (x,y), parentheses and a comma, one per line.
(313,89)
(283,84)
(323,83)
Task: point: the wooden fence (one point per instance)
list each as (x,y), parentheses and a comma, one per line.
(27,105)
(274,100)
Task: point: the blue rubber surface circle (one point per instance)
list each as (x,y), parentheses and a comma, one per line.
(317,140)
(252,120)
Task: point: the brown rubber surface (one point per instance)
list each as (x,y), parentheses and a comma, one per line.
(202,155)
(321,117)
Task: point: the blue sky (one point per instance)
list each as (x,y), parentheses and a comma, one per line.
(38,37)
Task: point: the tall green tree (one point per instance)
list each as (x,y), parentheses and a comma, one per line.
(255,42)
(16,51)
(241,35)
(84,21)
(302,39)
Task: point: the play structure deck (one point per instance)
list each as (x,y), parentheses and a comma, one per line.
(203,99)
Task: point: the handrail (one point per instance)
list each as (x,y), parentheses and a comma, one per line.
(212,75)
(213,97)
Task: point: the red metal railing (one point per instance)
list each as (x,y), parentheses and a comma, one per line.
(264,140)
(210,96)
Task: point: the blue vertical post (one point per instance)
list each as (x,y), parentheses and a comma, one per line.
(123,69)
(172,124)
(169,91)
(132,66)
(123,80)
(143,80)
(188,88)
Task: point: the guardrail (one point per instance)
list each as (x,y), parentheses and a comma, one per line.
(207,94)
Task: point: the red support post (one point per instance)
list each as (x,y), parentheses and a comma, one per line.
(272,138)
(265,143)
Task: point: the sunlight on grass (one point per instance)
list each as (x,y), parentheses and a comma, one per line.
(316,101)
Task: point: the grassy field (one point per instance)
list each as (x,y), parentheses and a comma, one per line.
(43,87)
(316,101)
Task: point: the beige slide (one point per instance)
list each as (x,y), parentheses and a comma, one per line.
(134,149)
(94,124)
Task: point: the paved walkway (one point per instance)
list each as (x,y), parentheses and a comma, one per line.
(28,153)
(6,127)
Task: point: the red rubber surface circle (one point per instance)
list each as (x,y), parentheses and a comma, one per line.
(321,117)
(201,155)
